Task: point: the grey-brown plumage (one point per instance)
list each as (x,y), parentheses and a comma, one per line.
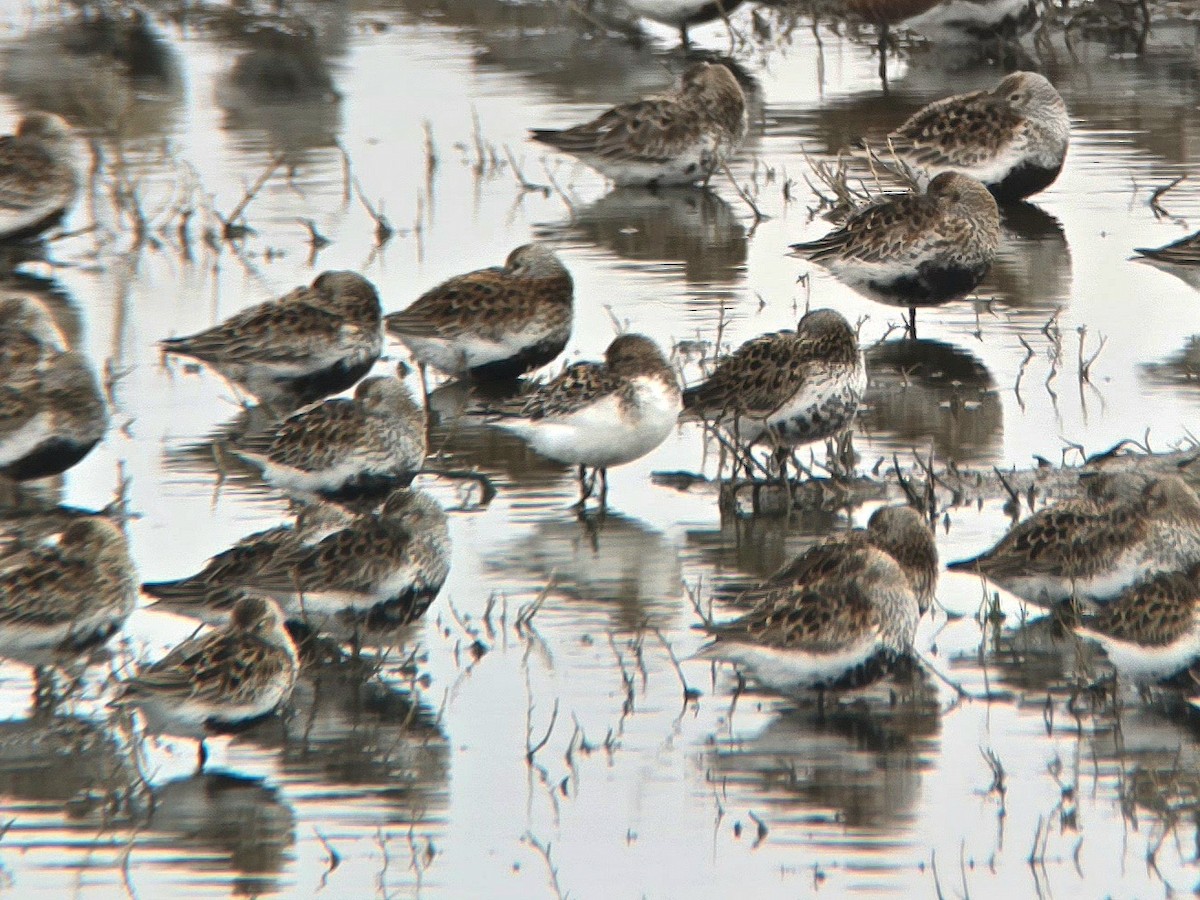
(386,566)
(1183,252)
(39,175)
(70,588)
(495,323)
(678,137)
(597,415)
(915,249)
(51,416)
(788,387)
(1151,630)
(1012,138)
(1154,612)
(1092,548)
(29,337)
(311,342)
(212,592)
(840,614)
(221,679)
(345,448)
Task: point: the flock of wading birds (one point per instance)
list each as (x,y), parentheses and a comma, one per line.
(366,549)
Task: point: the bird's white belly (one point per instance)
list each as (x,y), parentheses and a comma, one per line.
(607,434)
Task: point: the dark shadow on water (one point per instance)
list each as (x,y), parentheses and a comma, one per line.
(743,550)
(1179,370)
(111,72)
(64,765)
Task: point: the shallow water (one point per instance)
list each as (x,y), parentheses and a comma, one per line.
(416,779)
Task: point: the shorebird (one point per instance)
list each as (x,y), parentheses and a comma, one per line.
(676,138)
(29,337)
(838,616)
(40,174)
(496,323)
(1092,548)
(786,388)
(1183,252)
(598,415)
(220,680)
(72,589)
(385,565)
(50,418)
(1012,138)
(683,13)
(976,20)
(1151,630)
(344,448)
(915,249)
(212,592)
(309,343)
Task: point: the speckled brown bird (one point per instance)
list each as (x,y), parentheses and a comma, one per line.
(915,249)
(1183,252)
(597,415)
(789,387)
(1151,630)
(51,416)
(345,448)
(841,614)
(75,587)
(40,175)
(311,342)
(679,137)
(29,337)
(219,680)
(1090,549)
(496,323)
(1013,138)
(383,566)
(212,592)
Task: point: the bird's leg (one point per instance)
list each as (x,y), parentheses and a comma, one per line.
(425,397)
(603,488)
(684,40)
(910,326)
(201,756)
(780,457)
(586,485)
(821,704)
(883,48)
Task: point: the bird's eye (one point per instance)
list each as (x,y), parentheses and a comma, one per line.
(1014,98)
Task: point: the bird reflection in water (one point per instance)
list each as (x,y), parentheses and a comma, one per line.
(612,563)
(860,767)
(1032,270)
(668,229)
(922,389)
(376,740)
(220,824)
